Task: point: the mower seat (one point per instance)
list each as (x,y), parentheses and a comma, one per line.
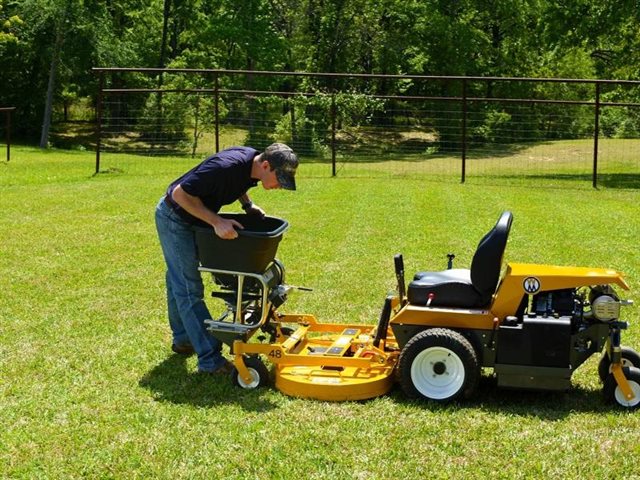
(466,288)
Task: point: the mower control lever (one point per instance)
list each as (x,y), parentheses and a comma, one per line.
(450,257)
(399,266)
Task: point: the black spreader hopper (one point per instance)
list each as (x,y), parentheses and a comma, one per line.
(252,251)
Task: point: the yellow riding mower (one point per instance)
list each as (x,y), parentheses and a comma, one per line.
(534,325)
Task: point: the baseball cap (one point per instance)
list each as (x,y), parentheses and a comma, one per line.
(282,159)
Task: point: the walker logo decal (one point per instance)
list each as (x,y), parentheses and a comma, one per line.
(531,285)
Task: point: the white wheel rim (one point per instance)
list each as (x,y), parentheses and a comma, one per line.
(255,379)
(437,373)
(625,363)
(622,400)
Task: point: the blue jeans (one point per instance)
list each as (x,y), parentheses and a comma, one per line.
(185,291)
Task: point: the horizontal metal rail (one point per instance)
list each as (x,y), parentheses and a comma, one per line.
(364,75)
(381,97)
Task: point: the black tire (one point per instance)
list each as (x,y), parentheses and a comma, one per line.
(259,373)
(630,358)
(438,364)
(613,394)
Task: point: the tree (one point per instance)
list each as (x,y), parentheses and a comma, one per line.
(47,47)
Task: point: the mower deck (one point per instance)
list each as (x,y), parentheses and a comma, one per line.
(324,383)
(324,361)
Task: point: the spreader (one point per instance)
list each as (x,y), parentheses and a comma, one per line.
(533,325)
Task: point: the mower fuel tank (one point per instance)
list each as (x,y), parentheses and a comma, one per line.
(534,354)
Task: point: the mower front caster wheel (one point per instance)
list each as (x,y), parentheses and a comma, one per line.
(438,364)
(630,358)
(259,374)
(613,393)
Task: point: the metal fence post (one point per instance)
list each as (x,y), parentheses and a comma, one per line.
(8,123)
(99,119)
(596,134)
(333,134)
(216,108)
(464,130)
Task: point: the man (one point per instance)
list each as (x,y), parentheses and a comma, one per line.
(193,200)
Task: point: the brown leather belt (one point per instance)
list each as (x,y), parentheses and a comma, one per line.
(170,202)
(181,212)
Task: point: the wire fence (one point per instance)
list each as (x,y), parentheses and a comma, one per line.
(453,128)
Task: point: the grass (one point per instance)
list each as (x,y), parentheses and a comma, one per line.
(90,389)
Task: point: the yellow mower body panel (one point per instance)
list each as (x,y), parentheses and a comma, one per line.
(458,318)
(523,279)
(558,277)
(519,279)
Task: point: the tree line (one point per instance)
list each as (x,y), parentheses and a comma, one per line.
(47,47)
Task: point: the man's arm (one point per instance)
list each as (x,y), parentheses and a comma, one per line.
(224,227)
(249,207)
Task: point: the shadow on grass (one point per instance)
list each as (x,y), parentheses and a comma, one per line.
(171,381)
(409,154)
(73,135)
(544,405)
(608,180)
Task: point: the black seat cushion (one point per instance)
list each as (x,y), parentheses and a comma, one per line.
(466,288)
(450,288)
(487,261)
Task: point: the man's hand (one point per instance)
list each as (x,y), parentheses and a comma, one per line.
(225,228)
(255,210)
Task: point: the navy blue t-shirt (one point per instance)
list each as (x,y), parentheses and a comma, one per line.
(219,180)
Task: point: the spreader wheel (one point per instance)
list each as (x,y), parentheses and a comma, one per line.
(630,358)
(613,393)
(438,364)
(257,369)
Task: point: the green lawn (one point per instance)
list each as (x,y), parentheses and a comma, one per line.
(89,387)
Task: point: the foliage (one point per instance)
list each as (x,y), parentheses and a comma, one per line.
(537,38)
(489,129)
(8,27)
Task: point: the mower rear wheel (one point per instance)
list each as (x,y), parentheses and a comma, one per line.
(259,374)
(438,364)
(613,393)
(630,358)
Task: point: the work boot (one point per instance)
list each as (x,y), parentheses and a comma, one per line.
(225,369)
(184,349)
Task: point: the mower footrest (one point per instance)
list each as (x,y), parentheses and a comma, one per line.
(295,338)
(340,346)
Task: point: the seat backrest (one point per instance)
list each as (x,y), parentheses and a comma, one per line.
(487,261)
